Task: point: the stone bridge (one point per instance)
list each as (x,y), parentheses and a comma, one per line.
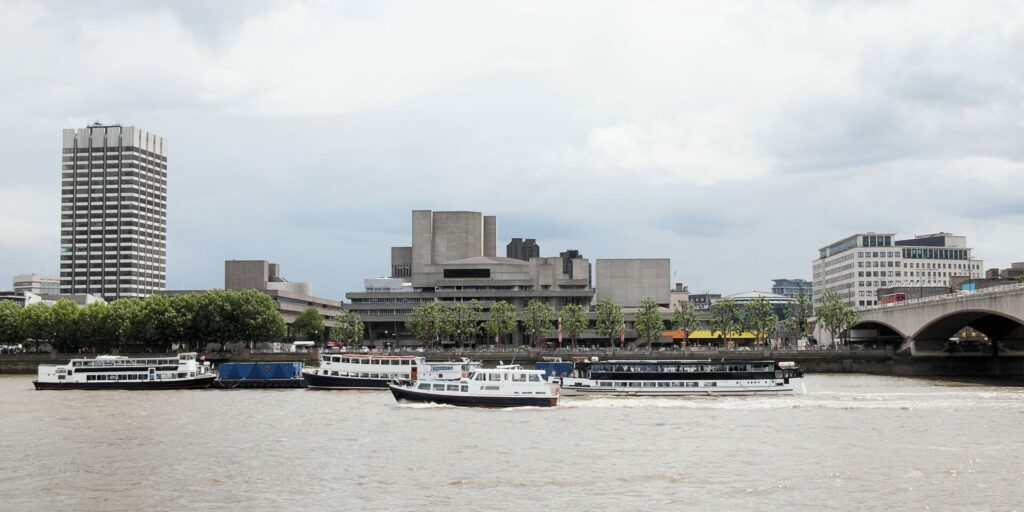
(925,326)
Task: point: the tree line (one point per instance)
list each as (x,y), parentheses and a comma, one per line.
(156,323)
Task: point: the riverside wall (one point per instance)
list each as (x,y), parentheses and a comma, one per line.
(875,362)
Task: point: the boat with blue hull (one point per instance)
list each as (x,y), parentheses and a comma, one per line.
(497,387)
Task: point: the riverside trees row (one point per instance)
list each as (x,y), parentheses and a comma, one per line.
(462,322)
(156,323)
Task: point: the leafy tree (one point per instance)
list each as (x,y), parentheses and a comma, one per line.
(799,312)
(648,322)
(98,327)
(610,320)
(309,325)
(502,320)
(760,318)
(465,320)
(10,323)
(684,318)
(126,315)
(64,325)
(725,319)
(574,321)
(423,323)
(348,328)
(261,322)
(160,324)
(37,324)
(537,318)
(836,316)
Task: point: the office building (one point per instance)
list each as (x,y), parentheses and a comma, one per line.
(522,249)
(855,267)
(628,281)
(793,287)
(703,301)
(37,284)
(113,212)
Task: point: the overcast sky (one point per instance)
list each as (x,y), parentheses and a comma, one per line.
(734,138)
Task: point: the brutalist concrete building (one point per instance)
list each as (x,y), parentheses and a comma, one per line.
(113,222)
(453,259)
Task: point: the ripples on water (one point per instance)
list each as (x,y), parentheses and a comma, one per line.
(854,443)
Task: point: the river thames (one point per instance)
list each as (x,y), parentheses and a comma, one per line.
(855,442)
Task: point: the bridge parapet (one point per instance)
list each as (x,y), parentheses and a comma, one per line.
(927,324)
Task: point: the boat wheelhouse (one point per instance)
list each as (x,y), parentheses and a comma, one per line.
(184,371)
(375,371)
(497,387)
(678,378)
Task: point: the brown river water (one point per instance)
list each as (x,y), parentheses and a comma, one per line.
(855,442)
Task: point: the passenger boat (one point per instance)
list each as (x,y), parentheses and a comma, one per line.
(119,372)
(678,378)
(375,371)
(497,387)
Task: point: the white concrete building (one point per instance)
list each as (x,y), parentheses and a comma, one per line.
(113,212)
(37,284)
(858,265)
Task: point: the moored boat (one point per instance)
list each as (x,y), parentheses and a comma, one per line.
(375,371)
(680,378)
(493,387)
(118,372)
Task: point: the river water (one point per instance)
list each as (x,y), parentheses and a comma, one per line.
(854,442)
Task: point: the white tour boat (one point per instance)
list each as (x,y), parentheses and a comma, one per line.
(119,372)
(375,371)
(678,378)
(497,387)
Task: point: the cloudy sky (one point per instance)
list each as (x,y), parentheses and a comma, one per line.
(733,137)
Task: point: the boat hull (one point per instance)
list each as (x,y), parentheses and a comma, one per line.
(403,394)
(794,387)
(335,382)
(140,385)
(260,384)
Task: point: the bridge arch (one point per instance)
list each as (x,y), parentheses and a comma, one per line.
(1005,331)
(876,332)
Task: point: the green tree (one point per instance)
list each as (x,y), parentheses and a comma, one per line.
(799,312)
(760,318)
(309,325)
(574,321)
(37,324)
(537,319)
(348,328)
(10,323)
(97,327)
(725,319)
(836,316)
(160,324)
(465,320)
(126,315)
(262,323)
(64,325)
(422,322)
(648,321)
(502,320)
(684,318)
(610,320)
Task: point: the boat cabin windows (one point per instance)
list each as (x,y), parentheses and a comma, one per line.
(438,387)
(518,377)
(534,377)
(494,377)
(423,386)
